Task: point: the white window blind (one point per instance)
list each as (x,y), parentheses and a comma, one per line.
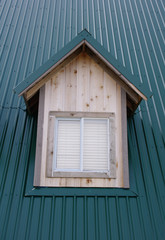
(68,144)
(95,145)
(82,145)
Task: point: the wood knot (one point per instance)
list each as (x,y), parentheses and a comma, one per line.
(89,181)
(87,105)
(75,71)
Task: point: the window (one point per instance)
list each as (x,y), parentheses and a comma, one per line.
(81,147)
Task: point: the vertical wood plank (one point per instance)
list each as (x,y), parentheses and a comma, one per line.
(96,88)
(82,85)
(83,66)
(112,147)
(124,139)
(39,144)
(119,164)
(57,88)
(71,86)
(45,131)
(50,145)
(109,93)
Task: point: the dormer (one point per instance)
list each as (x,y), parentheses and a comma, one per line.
(84,98)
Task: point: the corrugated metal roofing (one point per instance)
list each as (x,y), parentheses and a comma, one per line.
(84,37)
(30,33)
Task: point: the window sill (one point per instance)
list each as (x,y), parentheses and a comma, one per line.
(81,174)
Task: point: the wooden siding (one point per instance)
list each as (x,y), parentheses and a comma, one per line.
(83,86)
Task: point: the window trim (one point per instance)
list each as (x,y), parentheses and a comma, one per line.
(77,174)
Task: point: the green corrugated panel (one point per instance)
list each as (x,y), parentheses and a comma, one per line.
(31,32)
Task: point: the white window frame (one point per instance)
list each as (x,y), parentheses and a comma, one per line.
(111,173)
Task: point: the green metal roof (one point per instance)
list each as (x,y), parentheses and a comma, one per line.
(33,31)
(83,35)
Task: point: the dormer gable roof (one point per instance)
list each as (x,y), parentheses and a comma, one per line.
(85,42)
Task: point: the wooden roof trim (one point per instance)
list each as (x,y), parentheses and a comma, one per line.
(52,68)
(116,71)
(83,43)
